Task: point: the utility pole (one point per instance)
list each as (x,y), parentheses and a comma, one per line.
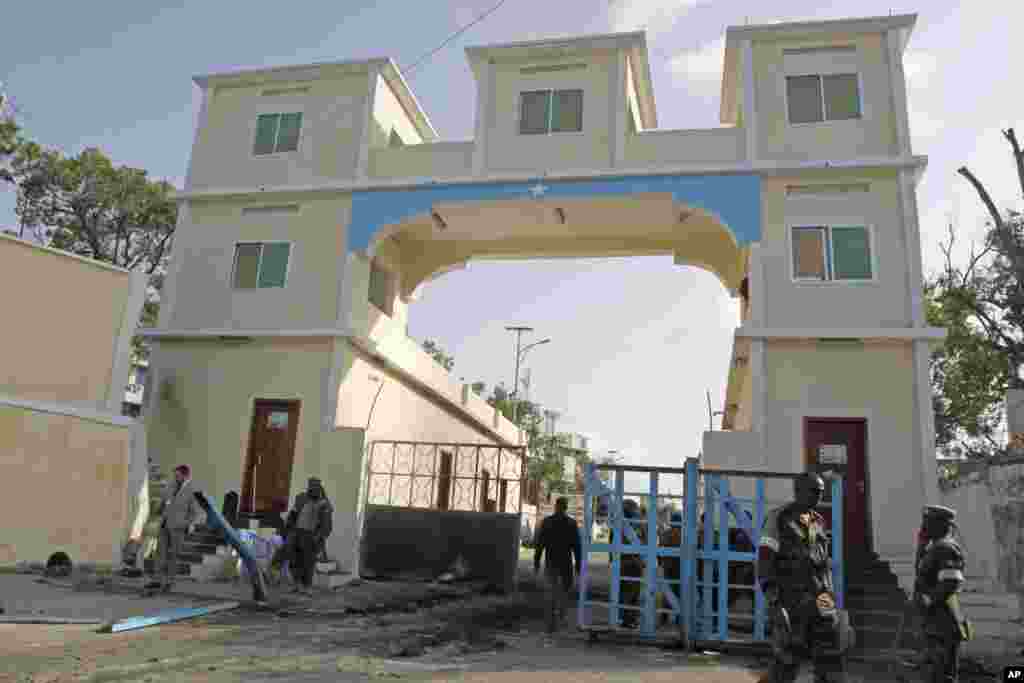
(515,382)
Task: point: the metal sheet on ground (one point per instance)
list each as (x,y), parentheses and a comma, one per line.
(166,617)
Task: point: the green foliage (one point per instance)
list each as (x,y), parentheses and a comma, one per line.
(982,306)
(969,377)
(438,354)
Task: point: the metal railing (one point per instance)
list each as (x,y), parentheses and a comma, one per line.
(713,559)
(446,476)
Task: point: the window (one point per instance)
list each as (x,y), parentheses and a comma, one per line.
(832,253)
(260,264)
(382,289)
(550,111)
(812,99)
(276,133)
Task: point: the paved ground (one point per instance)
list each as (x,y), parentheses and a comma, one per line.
(370,631)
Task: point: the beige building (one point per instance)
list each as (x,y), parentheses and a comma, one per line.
(319,198)
(66,344)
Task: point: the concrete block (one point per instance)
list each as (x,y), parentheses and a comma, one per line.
(226,551)
(326,567)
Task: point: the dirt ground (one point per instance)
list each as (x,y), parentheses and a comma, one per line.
(373,631)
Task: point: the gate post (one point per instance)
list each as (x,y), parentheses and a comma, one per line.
(759,513)
(650,616)
(688,589)
(615,511)
(587,533)
(723,561)
(838,576)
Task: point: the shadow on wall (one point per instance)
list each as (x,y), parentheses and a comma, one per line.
(400,541)
(1008,522)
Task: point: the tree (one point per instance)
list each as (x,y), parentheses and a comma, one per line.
(982,305)
(86,205)
(438,354)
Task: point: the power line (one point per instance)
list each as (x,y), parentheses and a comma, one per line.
(407,72)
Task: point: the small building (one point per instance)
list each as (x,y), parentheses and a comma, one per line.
(66,344)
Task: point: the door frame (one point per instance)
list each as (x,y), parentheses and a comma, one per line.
(866,415)
(253,400)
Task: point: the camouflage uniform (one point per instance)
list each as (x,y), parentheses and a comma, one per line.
(794,568)
(940,578)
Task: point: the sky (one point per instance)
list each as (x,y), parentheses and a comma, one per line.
(635,343)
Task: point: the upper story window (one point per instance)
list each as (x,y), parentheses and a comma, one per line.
(260,264)
(828,97)
(550,111)
(832,254)
(277,133)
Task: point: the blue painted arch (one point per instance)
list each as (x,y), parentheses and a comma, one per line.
(734,199)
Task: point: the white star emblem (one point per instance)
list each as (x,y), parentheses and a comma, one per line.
(538,190)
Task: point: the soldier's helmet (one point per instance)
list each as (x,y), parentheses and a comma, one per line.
(939,513)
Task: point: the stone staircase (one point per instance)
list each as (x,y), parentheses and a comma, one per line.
(878,606)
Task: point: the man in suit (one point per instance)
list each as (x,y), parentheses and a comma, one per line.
(178,513)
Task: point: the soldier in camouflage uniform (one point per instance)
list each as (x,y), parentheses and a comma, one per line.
(940,578)
(795,574)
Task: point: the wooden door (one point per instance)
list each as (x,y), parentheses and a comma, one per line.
(268,468)
(444,481)
(840,445)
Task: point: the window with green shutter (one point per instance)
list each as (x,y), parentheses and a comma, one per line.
(276,133)
(550,111)
(534,112)
(567,111)
(266,134)
(851,253)
(831,253)
(816,98)
(259,265)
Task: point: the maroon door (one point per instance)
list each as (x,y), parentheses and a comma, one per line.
(840,445)
(268,469)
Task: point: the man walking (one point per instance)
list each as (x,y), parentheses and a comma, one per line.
(795,573)
(559,537)
(178,512)
(308,526)
(940,578)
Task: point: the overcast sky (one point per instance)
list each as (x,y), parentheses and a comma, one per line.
(635,342)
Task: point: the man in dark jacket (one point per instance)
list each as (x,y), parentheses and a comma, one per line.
(559,537)
(795,572)
(307,528)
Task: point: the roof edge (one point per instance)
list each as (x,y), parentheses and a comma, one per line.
(396,79)
(855,25)
(279,73)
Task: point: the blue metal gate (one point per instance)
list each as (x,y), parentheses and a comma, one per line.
(686,584)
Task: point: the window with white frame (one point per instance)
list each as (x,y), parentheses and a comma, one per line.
(832,253)
(818,98)
(276,133)
(259,265)
(550,111)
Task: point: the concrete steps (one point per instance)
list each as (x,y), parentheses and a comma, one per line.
(878,606)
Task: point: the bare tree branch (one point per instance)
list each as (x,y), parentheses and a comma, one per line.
(986,199)
(1018,156)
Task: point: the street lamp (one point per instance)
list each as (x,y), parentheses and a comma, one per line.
(515,392)
(520,353)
